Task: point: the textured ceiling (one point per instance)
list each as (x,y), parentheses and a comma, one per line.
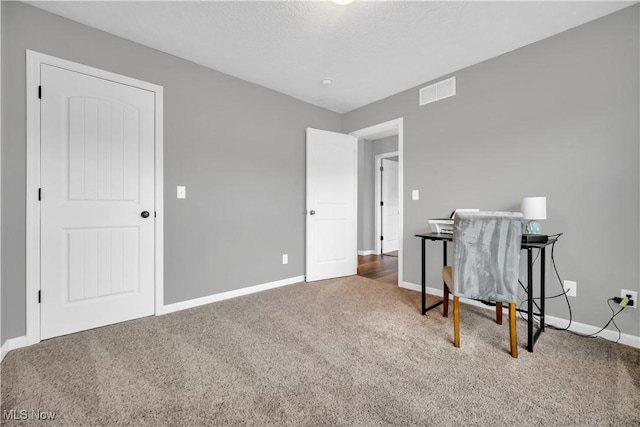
(371,50)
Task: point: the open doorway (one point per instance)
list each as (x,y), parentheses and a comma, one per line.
(380,202)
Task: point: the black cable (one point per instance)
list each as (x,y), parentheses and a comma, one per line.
(553,262)
(555,268)
(593,335)
(564,293)
(525,288)
(610,320)
(614,324)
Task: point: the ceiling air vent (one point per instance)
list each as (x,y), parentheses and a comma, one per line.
(438,91)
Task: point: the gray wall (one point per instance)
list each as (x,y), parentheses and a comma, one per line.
(238,148)
(558,118)
(367,151)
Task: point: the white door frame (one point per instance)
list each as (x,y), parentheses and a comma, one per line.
(1,341)
(34,62)
(382,130)
(378,188)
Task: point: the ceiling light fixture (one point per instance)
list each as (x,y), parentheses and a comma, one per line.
(326,81)
(342,2)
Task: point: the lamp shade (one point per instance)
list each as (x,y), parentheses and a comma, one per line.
(534,207)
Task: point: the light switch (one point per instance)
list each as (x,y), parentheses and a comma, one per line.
(415,195)
(182,192)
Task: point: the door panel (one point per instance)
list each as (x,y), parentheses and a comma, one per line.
(97,176)
(390,208)
(331,198)
(102,166)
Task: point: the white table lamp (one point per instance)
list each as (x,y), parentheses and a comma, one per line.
(534,209)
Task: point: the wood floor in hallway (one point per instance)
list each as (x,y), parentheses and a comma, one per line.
(382,268)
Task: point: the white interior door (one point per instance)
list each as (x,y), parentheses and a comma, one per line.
(97,179)
(331,205)
(390,206)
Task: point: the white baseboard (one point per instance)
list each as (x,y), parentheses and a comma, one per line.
(418,288)
(12,344)
(226,295)
(579,328)
(369,252)
(584,329)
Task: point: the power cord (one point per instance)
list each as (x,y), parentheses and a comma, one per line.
(555,268)
(564,293)
(611,320)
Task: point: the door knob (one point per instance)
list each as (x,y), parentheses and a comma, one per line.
(312,212)
(144,214)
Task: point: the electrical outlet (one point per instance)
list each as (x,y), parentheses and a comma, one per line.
(570,288)
(634,297)
(285,258)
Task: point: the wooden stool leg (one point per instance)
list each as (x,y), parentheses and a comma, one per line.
(499,313)
(513,334)
(445,301)
(456,321)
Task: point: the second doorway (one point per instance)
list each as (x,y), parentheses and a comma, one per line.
(378,209)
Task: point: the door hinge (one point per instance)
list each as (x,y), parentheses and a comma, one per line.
(155,214)
(39,297)
(381,203)
(381,168)
(39,194)
(39,92)
(381,237)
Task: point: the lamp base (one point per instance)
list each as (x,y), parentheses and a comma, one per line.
(533,227)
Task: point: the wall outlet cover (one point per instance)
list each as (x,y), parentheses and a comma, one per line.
(181,192)
(634,297)
(570,288)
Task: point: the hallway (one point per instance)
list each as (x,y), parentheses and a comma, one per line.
(382,268)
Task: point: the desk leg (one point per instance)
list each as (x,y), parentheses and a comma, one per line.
(529,300)
(542,291)
(424,279)
(445,290)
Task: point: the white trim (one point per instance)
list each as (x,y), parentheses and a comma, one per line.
(365,253)
(355,204)
(584,329)
(159,199)
(389,128)
(377,164)
(557,322)
(227,295)
(12,344)
(34,62)
(33,211)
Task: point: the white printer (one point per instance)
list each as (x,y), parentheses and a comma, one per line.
(445,225)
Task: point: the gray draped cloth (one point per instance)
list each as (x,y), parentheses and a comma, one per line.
(487,255)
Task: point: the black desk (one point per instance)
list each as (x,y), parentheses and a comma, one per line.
(529,247)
